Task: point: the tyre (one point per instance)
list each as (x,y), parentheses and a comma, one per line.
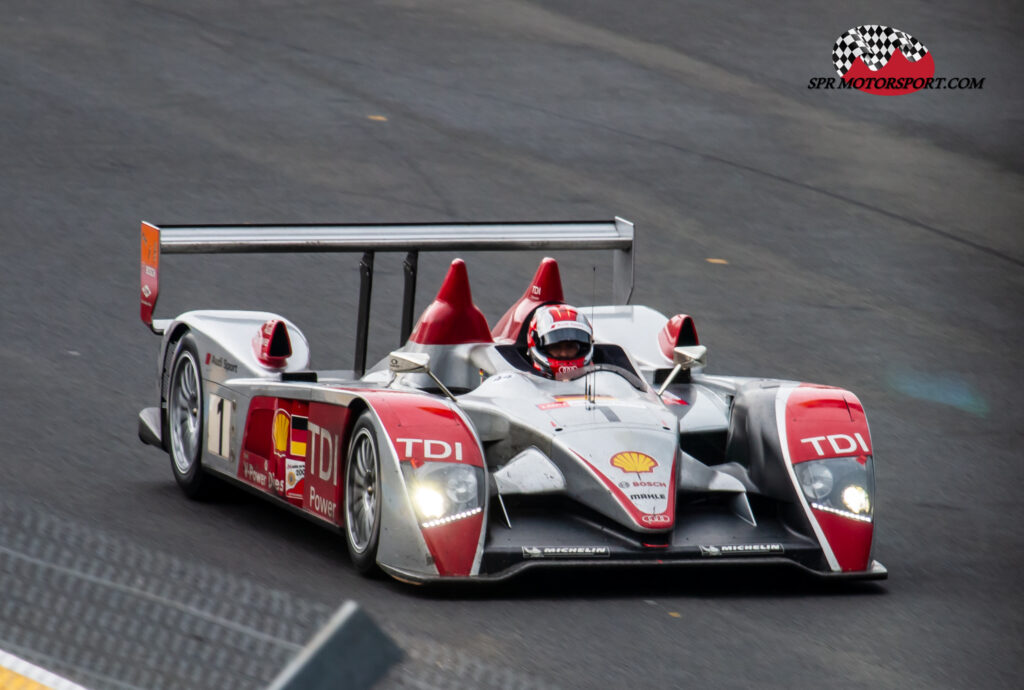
(185,419)
(362,496)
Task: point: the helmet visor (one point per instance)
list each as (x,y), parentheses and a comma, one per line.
(565,343)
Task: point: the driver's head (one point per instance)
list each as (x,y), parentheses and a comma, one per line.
(560,339)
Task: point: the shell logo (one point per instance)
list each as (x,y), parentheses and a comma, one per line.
(281,430)
(632,461)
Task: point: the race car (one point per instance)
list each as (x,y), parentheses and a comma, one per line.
(459,455)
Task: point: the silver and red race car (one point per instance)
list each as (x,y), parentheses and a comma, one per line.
(454,458)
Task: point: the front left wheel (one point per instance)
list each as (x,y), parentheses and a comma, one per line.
(185,419)
(362,496)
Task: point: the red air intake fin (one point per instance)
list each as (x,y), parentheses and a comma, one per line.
(452,318)
(272,345)
(544,288)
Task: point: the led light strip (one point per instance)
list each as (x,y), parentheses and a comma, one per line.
(844,513)
(451,518)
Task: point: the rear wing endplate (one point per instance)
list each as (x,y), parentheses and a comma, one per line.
(616,235)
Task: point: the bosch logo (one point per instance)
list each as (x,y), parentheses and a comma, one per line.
(662,519)
(623,485)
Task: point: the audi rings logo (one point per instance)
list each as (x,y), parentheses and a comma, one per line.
(662,519)
(886,61)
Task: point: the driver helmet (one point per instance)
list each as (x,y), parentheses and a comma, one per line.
(560,339)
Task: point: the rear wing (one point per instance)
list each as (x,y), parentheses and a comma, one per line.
(616,235)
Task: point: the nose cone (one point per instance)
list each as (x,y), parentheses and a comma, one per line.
(633,473)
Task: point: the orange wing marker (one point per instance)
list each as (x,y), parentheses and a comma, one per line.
(150,272)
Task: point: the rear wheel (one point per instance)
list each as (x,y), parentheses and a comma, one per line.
(185,419)
(362,496)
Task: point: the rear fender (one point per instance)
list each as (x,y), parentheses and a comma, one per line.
(225,342)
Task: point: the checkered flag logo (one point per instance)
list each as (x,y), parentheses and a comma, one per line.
(874,44)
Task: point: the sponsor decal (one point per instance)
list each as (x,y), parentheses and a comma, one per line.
(295,473)
(633,461)
(565,552)
(569,400)
(430,449)
(145,288)
(322,506)
(886,61)
(535,290)
(636,483)
(262,478)
(741,550)
(213,360)
(842,444)
(647,497)
(325,452)
(662,519)
(552,405)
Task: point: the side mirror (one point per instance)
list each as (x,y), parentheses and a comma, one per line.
(688,356)
(409,363)
(685,358)
(416,363)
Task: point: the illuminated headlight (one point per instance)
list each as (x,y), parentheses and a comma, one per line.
(843,486)
(428,501)
(443,492)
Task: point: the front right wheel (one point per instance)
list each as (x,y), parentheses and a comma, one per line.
(362,496)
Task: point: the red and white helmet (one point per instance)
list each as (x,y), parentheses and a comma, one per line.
(560,339)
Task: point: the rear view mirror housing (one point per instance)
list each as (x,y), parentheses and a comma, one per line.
(400,362)
(409,362)
(689,356)
(685,358)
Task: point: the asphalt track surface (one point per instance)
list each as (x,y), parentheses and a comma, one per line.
(871,243)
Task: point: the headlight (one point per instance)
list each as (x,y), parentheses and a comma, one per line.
(843,486)
(444,492)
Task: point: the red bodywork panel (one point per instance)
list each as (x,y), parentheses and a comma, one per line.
(423,429)
(828,423)
(545,288)
(825,423)
(452,318)
(294,449)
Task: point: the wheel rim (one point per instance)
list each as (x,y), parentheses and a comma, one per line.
(184,413)
(362,488)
